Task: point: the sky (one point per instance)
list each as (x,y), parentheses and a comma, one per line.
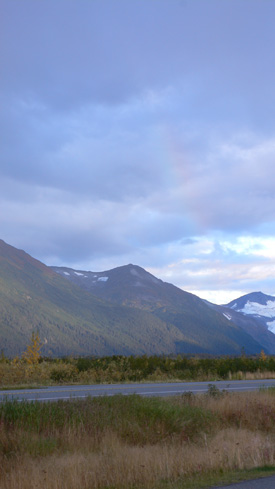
(142,131)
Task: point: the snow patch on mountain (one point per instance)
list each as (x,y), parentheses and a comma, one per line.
(102,279)
(271,326)
(227,316)
(266,310)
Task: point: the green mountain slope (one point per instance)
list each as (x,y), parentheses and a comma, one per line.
(70,320)
(203,330)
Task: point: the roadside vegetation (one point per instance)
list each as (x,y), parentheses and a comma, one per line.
(130,442)
(31,369)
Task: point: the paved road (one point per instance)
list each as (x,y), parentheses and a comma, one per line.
(264,483)
(164,389)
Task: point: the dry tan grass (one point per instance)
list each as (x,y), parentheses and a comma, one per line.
(252,411)
(118,465)
(258,375)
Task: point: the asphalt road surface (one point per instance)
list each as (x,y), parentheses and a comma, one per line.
(264,483)
(164,389)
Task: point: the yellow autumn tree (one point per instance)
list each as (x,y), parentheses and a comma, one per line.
(263,356)
(32,353)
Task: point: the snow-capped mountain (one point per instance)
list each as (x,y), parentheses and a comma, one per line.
(255,314)
(257,305)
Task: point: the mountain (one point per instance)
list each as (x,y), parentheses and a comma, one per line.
(202,329)
(255,314)
(70,320)
(122,311)
(258,305)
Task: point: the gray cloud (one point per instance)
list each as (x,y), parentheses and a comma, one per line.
(134,131)
(68,54)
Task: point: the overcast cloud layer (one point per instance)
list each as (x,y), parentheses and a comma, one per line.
(142,132)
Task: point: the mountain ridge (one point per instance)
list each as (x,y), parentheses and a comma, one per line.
(69,320)
(139,314)
(258,297)
(133,286)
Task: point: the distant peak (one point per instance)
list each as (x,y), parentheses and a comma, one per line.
(242,302)
(131,265)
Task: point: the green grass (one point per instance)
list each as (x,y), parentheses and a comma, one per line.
(135,419)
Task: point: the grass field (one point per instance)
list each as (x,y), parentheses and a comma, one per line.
(133,442)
